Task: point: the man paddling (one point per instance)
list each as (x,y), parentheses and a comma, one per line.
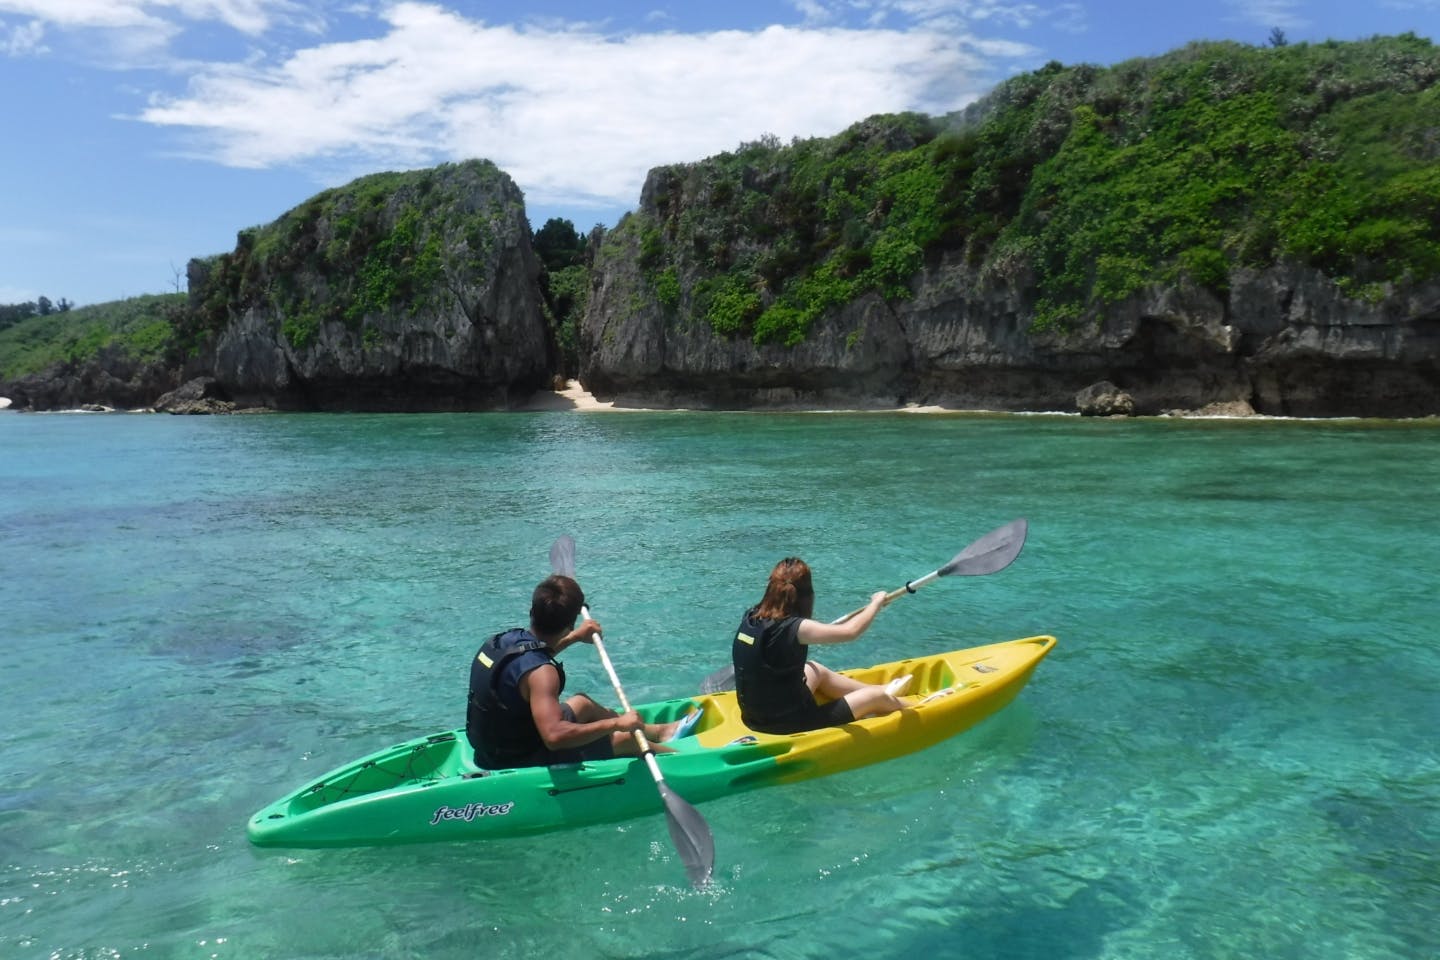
(515,717)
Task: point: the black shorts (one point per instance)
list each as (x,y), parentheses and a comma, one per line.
(818,716)
(602,749)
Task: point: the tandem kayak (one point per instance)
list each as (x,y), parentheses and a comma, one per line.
(429,789)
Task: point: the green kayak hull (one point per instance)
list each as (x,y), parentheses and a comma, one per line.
(430,790)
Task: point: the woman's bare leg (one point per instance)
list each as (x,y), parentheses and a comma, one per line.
(821,679)
(865,699)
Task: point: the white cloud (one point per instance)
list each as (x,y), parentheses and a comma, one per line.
(573,114)
(26,39)
(129,34)
(247,16)
(82,13)
(813,11)
(1020,14)
(1285,14)
(949,13)
(160,17)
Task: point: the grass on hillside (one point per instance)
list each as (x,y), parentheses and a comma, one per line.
(140,328)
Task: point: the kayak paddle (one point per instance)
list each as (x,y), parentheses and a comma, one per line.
(688,830)
(994,551)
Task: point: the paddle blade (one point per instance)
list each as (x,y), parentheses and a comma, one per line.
(719,681)
(562,556)
(691,836)
(994,551)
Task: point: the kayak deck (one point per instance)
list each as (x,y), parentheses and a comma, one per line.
(949,692)
(429,789)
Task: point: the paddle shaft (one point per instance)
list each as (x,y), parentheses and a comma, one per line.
(893,595)
(688,829)
(640,739)
(994,551)
(724,678)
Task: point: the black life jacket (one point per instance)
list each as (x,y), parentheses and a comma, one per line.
(497,718)
(770,671)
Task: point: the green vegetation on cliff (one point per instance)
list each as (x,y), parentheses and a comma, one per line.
(1223,155)
(139,330)
(1089,183)
(385,242)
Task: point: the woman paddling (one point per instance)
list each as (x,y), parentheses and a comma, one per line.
(776,682)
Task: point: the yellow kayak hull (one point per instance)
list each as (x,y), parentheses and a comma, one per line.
(949,693)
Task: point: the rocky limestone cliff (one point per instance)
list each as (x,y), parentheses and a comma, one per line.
(110,379)
(1286,340)
(1221,225)
(399,292)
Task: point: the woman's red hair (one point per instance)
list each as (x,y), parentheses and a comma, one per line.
(789,593)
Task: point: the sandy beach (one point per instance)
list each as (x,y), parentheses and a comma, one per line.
(576,397)
(573,397)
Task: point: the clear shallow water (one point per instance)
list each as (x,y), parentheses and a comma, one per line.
(1231,753)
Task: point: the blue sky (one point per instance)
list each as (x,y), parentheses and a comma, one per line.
(141,133)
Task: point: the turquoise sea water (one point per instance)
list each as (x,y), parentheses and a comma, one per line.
(1232,752)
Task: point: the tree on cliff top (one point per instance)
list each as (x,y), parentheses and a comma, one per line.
(13,313)
(558,245)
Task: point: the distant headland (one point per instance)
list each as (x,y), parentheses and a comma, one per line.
(1225,228)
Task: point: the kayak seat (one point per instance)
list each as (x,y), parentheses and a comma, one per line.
(464,759)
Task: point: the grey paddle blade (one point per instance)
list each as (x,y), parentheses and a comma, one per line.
(994,551)
(691,836)
(719,681)
(562,556)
